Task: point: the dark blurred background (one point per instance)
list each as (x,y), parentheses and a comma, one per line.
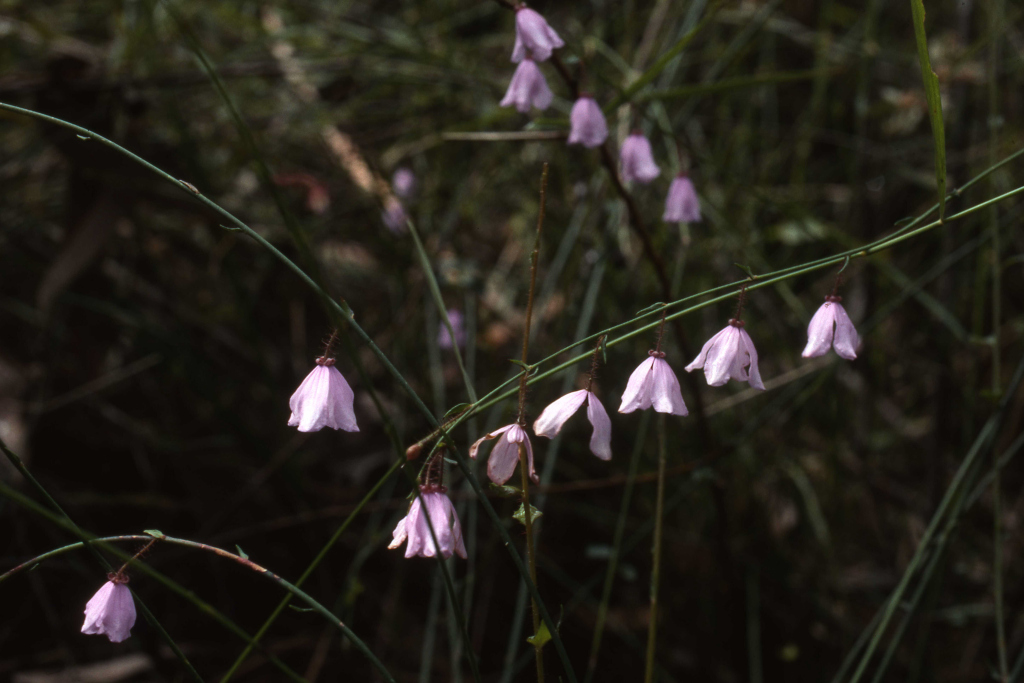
(147,354)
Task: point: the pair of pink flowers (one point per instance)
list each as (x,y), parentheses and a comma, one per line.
(535,40)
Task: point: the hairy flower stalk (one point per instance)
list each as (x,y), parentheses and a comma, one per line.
(587,125)
(637,160)
(111,611)
(533,36)
(324,399)
(831,327)
(681,204)
(528,88)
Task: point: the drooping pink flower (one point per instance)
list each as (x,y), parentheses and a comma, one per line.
(414,527)
(555,415)
(587,126)
(730,354)
(444,339)
(111,611)
(653,384)
(637,160)
(403,182)
(505,453)
(394,216)
(831,326)
(324,399)
(681,204)
(527,88)
(533,35)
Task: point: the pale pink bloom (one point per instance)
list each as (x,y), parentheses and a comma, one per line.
(444,339)
(403,182)
(111,611)
(681,205)
(653,383)
(586,123)
(730,354)
(528,88)
(505,453)
(830,326)
(533,35)
(554,416)
(637,160)
(443,518)
(394,216)
(324,399)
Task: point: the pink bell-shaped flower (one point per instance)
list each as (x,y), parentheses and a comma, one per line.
(527,88)
(555,415)
(324,399)
(730,354)
(653,384)
(831,326)
(681,204)
(505,453)
(443,518)
(587,126)
(403,182)
(637,160)
(533,36)
(444,338)
(111,611)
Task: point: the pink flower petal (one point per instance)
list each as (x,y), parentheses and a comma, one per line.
(820,331)
(681,204)
(637,392)
(487,437)
(755,373)
(601,439)
(730,354)
(534,37)
(587,125)
(111,611)
(527,88)
(846,341)
(665,394)
(324,399)
(637,160)
(558,411)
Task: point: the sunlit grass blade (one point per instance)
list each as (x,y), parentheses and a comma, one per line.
(931,92)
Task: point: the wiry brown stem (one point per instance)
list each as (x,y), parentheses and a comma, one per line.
(529,301)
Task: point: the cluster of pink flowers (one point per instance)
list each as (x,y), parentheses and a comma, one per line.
(535,42)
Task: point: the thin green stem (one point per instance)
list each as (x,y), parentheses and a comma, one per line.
(659,512)
(531,560)
(146,613)
(34,507)
(309,570)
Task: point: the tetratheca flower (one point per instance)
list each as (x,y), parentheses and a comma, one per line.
(681,204)
(505,453)
(111,611)
(527,88)
(555,415)
(394,216)
(653,384)
(533,36)
(324,399)
(444,339)
(414,528)
(587,125)
(403,182)
(730,354)
(831,326)
(637,160)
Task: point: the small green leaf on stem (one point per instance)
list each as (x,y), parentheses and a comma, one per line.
(241,553)
(83,137)
(520,516)
(746,269)
(652,307)
(301,609)
(455,409)
(155,533)
(505,491)
(231,228)
(541,638)
(521,364)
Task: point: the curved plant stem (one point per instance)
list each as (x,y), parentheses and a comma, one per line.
(342,308)
(34,507)
(659,510)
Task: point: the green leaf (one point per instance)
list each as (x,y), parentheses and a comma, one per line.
(155,533)
(505,491)
(301,609)
(520,514)
(241,553)
(521,364)
(931,92)
(456,409)
(541,638)
(746,269)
